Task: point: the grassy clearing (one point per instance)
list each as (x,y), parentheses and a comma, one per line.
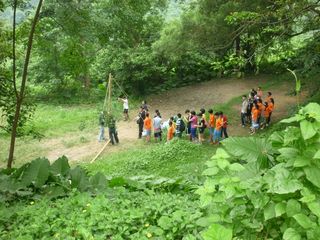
(53,122)
(179,158)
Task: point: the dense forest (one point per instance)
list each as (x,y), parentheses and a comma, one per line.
(150,45)
(55,61)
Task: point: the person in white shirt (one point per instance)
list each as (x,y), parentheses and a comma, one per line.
(157,121)
(125,108)
(244,110)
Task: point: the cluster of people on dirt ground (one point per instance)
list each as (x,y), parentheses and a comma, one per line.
(193,124)
(255,112)
(107,119)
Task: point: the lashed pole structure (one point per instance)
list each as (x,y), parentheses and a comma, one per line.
(107,107)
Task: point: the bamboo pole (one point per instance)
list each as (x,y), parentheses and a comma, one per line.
(100,151)
(110,94)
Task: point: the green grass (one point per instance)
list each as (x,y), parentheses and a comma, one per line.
(176,159)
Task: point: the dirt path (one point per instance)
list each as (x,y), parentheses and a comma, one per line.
(205,95)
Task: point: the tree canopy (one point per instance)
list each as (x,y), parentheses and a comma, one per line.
(154,44)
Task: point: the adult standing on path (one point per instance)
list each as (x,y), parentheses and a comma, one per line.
(145,105)
(125,107)
(113,134)
(102,122)
(140,121)
(224,125)
(244,107)
(157,126)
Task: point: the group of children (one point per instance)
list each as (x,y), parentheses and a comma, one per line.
(193,124)
(255,112)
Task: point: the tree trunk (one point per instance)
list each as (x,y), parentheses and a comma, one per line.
(14,49)
(23,86)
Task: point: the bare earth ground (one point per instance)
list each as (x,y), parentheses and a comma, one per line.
(205,95)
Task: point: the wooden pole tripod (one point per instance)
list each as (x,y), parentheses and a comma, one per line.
(107,107)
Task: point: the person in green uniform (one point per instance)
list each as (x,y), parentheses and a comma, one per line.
(102,122)
(111,123)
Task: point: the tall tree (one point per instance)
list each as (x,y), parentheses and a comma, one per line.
(20,95)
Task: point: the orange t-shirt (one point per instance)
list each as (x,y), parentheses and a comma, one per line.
(255,114)
(219,124)
(170,133)
(147,123)
(270,106)
(211,120)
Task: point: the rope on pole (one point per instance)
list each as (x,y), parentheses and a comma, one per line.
(121,89)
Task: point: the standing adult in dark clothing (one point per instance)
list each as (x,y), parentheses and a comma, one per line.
(113,135)
(249,109)
(145,105)
(141,117)
(224,125)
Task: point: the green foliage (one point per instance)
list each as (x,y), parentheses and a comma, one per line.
(275,200)
(39,177)
(119,214)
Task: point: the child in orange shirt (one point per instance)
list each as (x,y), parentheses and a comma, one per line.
(255,118)
(170,131)
(211,124)
(147,127)
(270,110)
(217,130)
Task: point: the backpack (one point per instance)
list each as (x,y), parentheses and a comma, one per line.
(182,126)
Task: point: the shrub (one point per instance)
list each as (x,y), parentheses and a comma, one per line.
(259,188)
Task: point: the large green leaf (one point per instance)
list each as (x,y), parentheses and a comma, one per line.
(280,209)
(307,129)
(317,155)
(54,192)
(79,179)
(304,221)
(60,166)
(312,109)
(291,135)
(313,175)
(308,195)
(276,139)
(296,118)
(269,211)
(249,149)
(210,171)
(293,207)
(291,234)
(289,152)
(98,181)
(281,181)
(165,222)
(217,232)
(37,172)
(314,207)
